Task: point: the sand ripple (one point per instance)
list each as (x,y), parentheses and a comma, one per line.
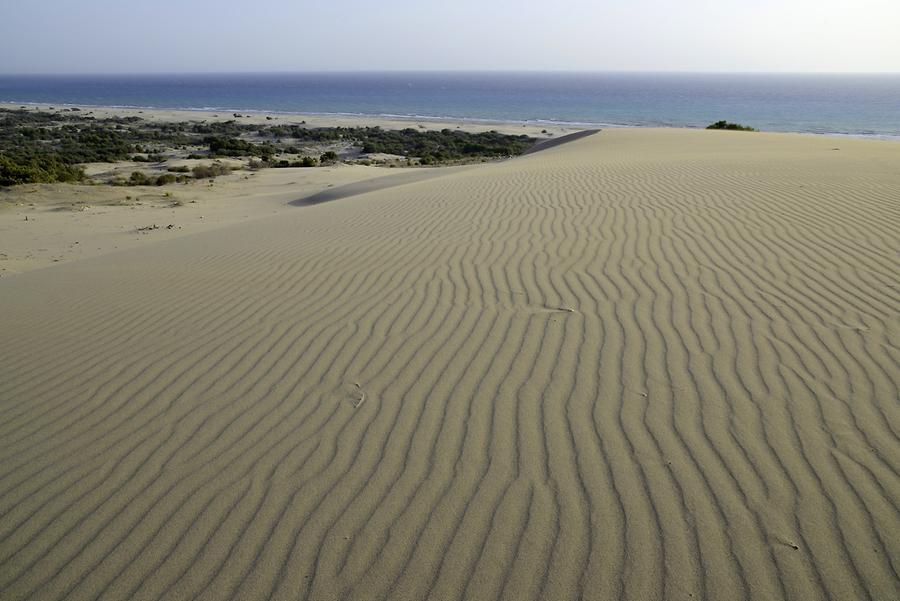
(640,365)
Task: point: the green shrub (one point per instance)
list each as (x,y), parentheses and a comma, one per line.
(166,178)
(150,158)
(328,157)
(32,171)
(140,179)
(730,126)
(234,147)
(179,169)
(304,162)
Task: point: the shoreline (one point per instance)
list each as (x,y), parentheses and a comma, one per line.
(533,127)
(338,114)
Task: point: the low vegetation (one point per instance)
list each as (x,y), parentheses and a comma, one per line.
(210,171)
(304,162)
(32,170)
(429,146)
(730,126)
(40,146)
(220,146)
(139,178)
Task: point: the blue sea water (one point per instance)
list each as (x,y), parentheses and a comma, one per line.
(859,105)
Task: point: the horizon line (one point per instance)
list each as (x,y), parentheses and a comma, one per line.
(443,71)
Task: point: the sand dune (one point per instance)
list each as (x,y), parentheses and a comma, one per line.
(646,364)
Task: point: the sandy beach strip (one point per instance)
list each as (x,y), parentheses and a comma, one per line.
(536,129)
(644,364)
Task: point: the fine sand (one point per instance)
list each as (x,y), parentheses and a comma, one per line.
(43,224)
(641,365)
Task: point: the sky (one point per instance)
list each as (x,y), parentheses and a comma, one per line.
(168,36)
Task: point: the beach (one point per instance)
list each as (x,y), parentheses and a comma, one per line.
(310,119)
(641,364)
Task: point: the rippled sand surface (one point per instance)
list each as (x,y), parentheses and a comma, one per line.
(645,364)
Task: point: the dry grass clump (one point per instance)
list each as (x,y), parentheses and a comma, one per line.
(210,171)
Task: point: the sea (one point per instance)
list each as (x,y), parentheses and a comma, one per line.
(835,104)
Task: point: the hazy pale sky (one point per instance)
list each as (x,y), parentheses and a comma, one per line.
(97,36)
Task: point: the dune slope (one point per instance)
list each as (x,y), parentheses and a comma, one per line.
(640,365)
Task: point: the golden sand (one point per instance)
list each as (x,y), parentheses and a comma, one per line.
(646,364)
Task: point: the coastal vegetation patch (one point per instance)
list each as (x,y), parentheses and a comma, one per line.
(39,146)
(730,126)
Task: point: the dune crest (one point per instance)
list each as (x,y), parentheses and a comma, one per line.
(645,364)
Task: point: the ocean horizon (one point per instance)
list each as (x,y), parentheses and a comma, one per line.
(865,105)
